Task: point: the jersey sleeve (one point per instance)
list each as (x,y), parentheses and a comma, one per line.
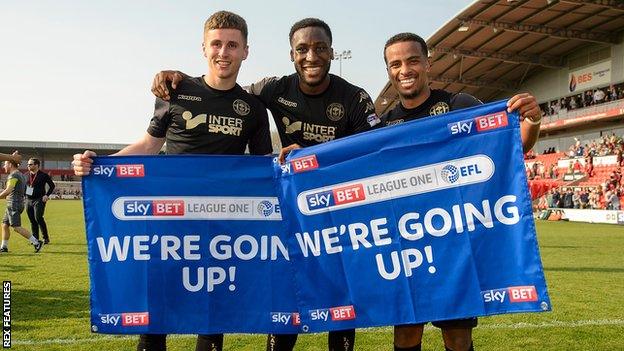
(461,100)
(263,89)
(362,115)
(162,119)
(260,140)
(12,181)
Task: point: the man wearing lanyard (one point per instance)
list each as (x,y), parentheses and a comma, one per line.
(37,198)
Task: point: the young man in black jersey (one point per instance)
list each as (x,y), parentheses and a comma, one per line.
(206,115)
(407,64)
(309,107)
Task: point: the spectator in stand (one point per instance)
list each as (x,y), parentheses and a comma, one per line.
(576,199)
(584,199)
(599,96)
(589,97)
(593,199)
(549,198)
(589,166)
(542,203)
(554,171)
(556,198)
(567,199)
(611,93)
(572,104)
(613,201)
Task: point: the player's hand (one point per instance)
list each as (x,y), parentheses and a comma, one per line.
(44,198)
(285,151)
(17,158)
(82,163)
(526,105)
(159,85)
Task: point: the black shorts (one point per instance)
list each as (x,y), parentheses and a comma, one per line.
(12,216)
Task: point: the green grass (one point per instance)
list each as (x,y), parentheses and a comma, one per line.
(584,266)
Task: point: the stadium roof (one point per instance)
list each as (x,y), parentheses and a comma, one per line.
(31,147)
(493,46)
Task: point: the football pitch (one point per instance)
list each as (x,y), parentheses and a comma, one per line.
(584,266)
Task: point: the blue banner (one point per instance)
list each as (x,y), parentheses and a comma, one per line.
(425,221)
(187,244)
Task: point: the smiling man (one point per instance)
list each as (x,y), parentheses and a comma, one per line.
(407,65)
(310,107)
(210,114)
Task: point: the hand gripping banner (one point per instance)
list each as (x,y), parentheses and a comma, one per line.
(425,221)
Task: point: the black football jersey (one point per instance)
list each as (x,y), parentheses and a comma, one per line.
(342,110)
(201,120)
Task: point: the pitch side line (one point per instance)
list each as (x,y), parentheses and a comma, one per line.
(550,324)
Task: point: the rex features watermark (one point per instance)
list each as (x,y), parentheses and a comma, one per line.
(6,314)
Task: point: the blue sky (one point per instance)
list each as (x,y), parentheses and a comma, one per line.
(81,70)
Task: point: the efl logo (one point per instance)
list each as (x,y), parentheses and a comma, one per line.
(522,294)
(342,313)
(154,208)
(286,318)
(461,127)
(304,164)
(493,121)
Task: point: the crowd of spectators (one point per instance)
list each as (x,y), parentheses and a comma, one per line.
(587,98)
(607,196)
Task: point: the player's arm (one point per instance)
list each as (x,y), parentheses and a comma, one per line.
(9,187)
(149,144)
(159,84)
(15,157)
(361,114)
(530,117)
(263,89)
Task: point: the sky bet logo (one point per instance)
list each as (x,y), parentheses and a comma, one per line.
(121,171)
(513,294)
(341,313)
(154,208)
(301,164)
(336,196)
(285,318)
(481,124)
(135,319)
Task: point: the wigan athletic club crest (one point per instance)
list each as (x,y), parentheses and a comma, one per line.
(241,107)
(439,108)
(335,111)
